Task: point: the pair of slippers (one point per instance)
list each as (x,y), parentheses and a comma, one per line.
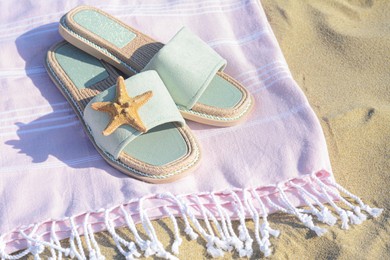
(137,124)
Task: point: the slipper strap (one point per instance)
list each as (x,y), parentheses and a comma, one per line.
(187,65)
(160,109)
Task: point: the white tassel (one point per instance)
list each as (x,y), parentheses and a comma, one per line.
(212,241)
(324,215)
(35,247)
(60,249)
(119,240)
(273,232)
(203,212)
(143,244)
(91,251)
(277,207)
(175,246)
(188,229)
(177,242)
(93,247)
(219,242)
(358,213)
(156,244)
(36,250)
(225,236)
(255,216)
(221,215)
(241,228)
(313,210)
(97,252)
(265,228)
(214,244)
(132,251)
(73,251)
(78,239)
(356,209)
(234,241)
(52,251)
(214,252)
(305,219)
(344,220)
(355,219)
(342,213)
(328,217)
(243,231)
(190,232)
(374,212)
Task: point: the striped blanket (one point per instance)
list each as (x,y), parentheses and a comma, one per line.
(54,185)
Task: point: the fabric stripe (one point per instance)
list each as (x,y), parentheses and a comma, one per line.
(218,8)
(113,8)
(17,72)
(51,165)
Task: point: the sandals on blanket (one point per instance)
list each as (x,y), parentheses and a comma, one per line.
(136,124)
(190,69)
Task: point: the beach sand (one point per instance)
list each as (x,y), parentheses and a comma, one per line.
(339,53)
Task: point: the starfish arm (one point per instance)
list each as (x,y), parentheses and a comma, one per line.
(112,126)
(136,122)
(121,91)
(140,100)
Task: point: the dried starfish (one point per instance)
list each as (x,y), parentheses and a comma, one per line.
(124,109)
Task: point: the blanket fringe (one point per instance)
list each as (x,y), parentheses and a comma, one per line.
(77,251)
(132,249)
(92,245)
(178,240)
(54,238)
(215,209)
(243,230)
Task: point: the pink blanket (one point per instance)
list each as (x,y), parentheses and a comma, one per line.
(54,185)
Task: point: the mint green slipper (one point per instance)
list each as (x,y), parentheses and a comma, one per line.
(134,123)
(190,69)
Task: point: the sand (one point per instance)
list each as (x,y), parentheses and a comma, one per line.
(339,53)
